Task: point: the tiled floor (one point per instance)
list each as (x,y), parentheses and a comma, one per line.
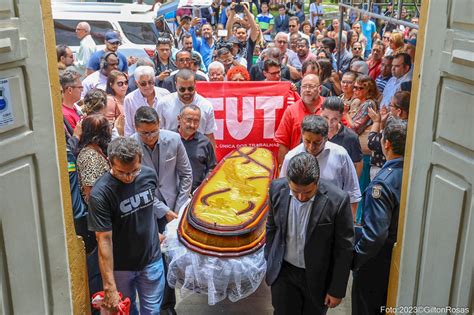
(259,303)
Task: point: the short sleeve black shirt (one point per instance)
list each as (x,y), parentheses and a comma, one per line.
(349,140)
(127,211)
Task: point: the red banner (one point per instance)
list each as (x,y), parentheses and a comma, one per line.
(247,113)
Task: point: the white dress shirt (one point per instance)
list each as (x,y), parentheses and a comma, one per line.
(335,166)
(134,101)
(170,106)
(95,80)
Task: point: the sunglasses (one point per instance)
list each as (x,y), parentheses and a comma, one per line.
(356,48)
(291,25)
(183,89)
(386,37)
(122,83)
(145,83)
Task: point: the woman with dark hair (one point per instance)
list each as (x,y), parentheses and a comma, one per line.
(117,85)
(238,73)
(306,28)
(352,37)
(322,54)
(92,160)
(327,78)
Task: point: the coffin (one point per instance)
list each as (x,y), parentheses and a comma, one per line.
(227,215)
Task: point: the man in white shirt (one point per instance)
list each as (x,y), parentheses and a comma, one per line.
(290,58)
(87,47)
(98,79)
(147,94)
(334,162)
(169,107)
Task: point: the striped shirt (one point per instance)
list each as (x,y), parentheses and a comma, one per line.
(264,21)
(381,82)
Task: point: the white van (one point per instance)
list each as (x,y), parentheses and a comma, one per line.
(135,23)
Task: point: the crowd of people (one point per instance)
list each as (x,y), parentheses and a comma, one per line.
(140,142)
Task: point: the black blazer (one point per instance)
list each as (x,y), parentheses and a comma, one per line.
(329,244)
(282,26)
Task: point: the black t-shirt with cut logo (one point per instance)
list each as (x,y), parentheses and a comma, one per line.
(127,211)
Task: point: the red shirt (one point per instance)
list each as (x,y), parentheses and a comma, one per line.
(374,68)
(289,130)
(71,116)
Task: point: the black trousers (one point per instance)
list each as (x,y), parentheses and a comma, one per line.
(169,297)
(370,284)
(291,295)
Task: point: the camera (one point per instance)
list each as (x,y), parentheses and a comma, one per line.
(239,8)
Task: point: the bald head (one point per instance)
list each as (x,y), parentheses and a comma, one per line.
(310,89)
(274,53)
(310,78)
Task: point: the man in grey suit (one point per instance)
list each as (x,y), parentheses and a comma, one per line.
(164,152)
(309,241)
(282,20)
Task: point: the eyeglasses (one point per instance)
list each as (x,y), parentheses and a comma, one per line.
(359,88)
(309,87)
(122,83)
(282,42)
(184,60)
(145,83)
(386,37)
(183,89)
(148,134)
(127,175)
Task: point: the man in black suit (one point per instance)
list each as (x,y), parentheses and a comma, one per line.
(310,237)
(282,20)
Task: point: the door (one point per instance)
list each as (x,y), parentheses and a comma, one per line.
(437,258)
(34,269)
